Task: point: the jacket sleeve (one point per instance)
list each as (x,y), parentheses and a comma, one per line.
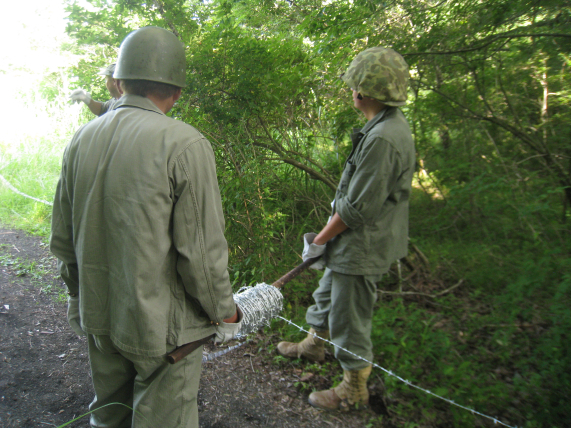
(107,106)
(198,231)
(61,239)
(367,182)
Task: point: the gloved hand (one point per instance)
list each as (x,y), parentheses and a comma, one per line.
(73,315)
(228,331)
(311,250)
(80,95)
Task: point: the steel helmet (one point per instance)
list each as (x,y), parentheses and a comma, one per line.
(107,71)
(379,73)
(152,53)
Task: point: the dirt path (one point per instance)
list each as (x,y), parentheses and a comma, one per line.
(44,369)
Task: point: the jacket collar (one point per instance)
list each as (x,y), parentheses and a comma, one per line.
(358,133)
(130,100)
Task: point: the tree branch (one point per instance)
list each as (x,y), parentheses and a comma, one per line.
(414,293)
(280,151)
(160,6)
(488,42)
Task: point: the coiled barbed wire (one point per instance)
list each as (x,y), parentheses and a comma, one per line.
(262,303)
(259,304)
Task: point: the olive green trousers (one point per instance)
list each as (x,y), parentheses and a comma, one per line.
(152,392)
(344,306)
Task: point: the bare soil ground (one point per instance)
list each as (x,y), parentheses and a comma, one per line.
(44,368)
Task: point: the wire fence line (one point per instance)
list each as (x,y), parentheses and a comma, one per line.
(213,355)
(390,373)
(11,187)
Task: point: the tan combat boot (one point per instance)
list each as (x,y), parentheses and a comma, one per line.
(311,348)
(352,391)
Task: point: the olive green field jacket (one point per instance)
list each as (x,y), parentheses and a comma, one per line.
(108,106)
(139,232)
(372,197)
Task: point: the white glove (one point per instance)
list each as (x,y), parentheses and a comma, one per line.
(73,315)
(228,331)
(80,95)
(311,250)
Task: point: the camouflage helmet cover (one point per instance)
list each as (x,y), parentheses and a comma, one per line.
(379,73)
(152,53)
(107,71)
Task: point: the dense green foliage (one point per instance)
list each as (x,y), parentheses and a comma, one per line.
(489,108)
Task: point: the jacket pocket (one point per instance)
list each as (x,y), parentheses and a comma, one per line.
(346,177)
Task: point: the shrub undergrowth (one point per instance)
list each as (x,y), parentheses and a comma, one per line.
(498,343)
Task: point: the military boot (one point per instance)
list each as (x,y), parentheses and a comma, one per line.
(349,393)
(311,348)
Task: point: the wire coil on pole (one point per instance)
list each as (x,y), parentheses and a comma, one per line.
(259,304)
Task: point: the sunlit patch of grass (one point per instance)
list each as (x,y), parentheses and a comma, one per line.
(30,159)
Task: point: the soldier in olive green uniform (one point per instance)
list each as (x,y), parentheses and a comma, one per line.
(99,108)
(139,233)
(368,229)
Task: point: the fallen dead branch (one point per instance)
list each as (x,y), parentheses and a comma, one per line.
(415,293)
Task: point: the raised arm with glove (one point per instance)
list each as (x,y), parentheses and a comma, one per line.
(79,95)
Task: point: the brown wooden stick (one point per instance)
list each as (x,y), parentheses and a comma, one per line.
(182,351)
(294,272)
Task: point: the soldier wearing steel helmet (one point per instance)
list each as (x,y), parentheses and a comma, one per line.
(139,234)
(99,108)
(368,229)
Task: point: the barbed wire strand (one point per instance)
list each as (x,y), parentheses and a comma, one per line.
(7,183)
(213,355)
(390,373)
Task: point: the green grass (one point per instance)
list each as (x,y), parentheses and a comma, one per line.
(23,267)
(497,344)
(39,272)
(31,153)
(30,160)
